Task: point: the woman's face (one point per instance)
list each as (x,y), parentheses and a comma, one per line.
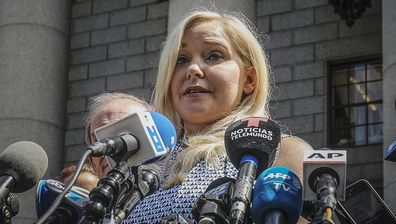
(209,78)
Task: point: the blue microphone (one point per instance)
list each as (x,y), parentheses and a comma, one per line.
(139,138)
(69,211)
(136,139)
(165,128)
(391,152)
(277,196)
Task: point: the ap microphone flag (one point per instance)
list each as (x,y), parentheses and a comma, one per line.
(321,162)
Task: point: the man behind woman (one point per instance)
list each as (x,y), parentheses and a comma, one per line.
(103,109)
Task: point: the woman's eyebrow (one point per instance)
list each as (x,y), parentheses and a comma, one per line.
(220,43)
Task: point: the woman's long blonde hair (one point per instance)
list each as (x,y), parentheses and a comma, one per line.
(209,144)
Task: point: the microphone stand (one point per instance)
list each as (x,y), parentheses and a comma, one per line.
(241,196)
(102,196)
(211,212)
(9,207)
(326,188)
(129,201)
(214,205)
(147,182)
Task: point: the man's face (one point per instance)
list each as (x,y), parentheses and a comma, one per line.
(86,180)
(110,112)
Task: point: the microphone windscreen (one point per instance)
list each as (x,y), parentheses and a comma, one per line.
(255,136)
(277,188)
(26,162)
(166,129)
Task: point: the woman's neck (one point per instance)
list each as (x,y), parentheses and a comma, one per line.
(191,129)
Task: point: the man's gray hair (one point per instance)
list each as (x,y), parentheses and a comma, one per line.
(96,103)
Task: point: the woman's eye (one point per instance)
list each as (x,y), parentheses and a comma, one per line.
(215,56)
(181,60)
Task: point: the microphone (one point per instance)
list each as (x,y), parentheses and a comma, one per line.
(120,191)
(324,172)
(252,145)
(150,131)
(121,140)
(70,209)
(9,208)
(391,152)
(22,164)
(214,205)
(277,196)
(148,182)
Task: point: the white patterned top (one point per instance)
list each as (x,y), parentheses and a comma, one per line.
(180,199)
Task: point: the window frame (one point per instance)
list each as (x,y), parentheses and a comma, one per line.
(347,63)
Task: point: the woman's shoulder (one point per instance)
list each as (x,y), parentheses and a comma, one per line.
(288,141)
(291,153)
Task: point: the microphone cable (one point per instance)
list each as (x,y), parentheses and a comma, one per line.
(60,197)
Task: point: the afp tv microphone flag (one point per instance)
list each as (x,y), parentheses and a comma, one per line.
(277,189)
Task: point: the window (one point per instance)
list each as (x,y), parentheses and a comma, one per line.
(355,116)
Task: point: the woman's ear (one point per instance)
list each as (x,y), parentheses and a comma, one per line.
(251,81)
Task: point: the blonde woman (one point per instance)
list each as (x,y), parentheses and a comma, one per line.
(212,72)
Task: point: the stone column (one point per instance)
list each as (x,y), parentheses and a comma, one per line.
(178,8)
(33,74)
(389,93)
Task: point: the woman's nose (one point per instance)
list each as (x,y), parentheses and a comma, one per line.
(194,71)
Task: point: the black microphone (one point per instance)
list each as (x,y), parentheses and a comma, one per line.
(147,183)
(9,208)
(118,193)
(252,145)
(102,197)
(214,205)
(22,165)
(324,181)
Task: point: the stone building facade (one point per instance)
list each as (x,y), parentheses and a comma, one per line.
(54,55)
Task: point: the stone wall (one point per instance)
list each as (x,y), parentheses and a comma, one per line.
(114,46)
(302,37)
